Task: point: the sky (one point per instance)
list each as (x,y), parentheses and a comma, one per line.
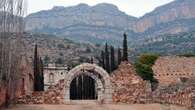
(135,8)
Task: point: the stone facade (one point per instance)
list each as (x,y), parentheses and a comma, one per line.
(53,74)
(171,69)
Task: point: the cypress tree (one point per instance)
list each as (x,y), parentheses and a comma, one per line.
(103,59)
(112,58)
(125,48)
(41,75)
(107,60)
(119,56)
(36,69)
(91,60)
(38,72)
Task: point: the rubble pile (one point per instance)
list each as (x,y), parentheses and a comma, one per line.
(179,94)
(53,95)
(128,86)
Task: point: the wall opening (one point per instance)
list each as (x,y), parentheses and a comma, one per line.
(83,87)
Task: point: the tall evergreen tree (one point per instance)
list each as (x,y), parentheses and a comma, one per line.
(112,59)
(125,48)
(41,75)
(103,59)
(107,60)
(91,60)
(36,69)
(38,72)
(119,56)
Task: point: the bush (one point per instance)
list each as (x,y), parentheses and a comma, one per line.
(144,66)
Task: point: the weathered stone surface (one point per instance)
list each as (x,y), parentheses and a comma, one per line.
(179,94)
(128,86)
(170,69)
(54,95)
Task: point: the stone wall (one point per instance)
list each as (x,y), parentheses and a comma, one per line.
(170,69)
(128,86)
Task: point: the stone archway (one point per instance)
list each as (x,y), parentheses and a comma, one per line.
(100,76)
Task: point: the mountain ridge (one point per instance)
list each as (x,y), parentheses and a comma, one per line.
(105,22)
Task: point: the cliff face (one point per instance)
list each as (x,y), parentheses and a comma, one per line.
(177,10)
(81,23)
(95,24)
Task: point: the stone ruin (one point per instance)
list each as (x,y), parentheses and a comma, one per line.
(172,69)
(124,86)
(128,86)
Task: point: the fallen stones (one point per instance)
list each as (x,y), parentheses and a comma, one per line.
(52,96)
(128,86)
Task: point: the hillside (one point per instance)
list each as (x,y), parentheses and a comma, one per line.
(172,44)
(54,49)
(105,22)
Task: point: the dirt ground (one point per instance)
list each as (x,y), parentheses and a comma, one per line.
(97,107)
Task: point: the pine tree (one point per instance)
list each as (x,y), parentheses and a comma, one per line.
(119,56)
(112,58)
(103,59)
(125,48)
(107,60)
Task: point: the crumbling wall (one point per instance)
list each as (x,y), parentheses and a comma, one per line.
(53,95)
(128,86)
(170,69)
(179,94)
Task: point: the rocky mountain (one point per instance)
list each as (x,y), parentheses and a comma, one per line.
(172,18)
(82,22)
(105,22)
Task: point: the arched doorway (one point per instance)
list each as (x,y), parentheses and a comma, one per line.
(96,75)
(83,87)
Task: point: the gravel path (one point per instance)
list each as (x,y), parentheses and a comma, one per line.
(97,107)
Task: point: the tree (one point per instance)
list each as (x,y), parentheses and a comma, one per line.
(41,74)
(103,59)
(125,48)
(119,56)
(112,58)
(91,60)
(12,13)
(144,67)
(38,71)
(107,59)
(46,60)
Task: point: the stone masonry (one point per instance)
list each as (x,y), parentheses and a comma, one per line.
(171,69)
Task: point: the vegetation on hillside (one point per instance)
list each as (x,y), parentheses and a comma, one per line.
(176,44)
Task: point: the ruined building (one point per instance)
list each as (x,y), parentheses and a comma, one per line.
(173,69)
